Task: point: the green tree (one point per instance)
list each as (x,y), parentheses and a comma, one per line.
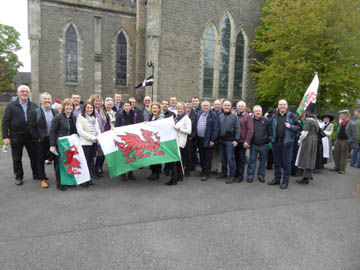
(9,62)
(298,37)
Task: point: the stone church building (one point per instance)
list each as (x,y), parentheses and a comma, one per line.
(197,48)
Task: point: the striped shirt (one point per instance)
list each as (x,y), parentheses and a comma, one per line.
(201,124)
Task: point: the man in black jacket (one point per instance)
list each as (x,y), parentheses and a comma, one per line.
(259,145)
(39,126)
(15,131)
(138,114)
(190,149)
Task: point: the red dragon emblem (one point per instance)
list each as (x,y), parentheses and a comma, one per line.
(74,164)
(133,143)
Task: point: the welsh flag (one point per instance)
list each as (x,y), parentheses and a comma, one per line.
(309,97)
(73,166)
(135,146)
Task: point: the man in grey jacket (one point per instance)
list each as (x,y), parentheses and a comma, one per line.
(229,137)
(346,139)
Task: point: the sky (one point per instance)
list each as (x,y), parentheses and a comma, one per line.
(14,13)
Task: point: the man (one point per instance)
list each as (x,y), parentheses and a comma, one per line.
(216,160)
(39,126)
(284,129)
(77,106)
(165,109)
(346,139)
(196,104)
(207,133)
(118,105)
(228,138)
(173,103)
(15,131)
(146,110)
(259,145)
(123,118)
(190,150)
(355,157)
(167,113)
(138,115)
(247,129)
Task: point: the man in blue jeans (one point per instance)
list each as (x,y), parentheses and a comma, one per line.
(259,145)
(283,131)
(228,140)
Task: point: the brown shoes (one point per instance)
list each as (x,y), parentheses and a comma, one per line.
(204,178)
(44,184)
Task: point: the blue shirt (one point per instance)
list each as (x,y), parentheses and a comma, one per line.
(201,124)
(24,107)
(48,117)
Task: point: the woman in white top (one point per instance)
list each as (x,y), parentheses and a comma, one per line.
(109,113)
(182,127)
(328,129)
(88,129)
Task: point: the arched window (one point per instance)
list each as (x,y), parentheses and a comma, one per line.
(224,57)
(121,59)
(209,59)
(71,55)
(239,66)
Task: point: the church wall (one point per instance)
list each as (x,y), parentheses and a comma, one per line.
(183,24)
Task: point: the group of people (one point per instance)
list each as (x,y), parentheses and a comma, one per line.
(216,137)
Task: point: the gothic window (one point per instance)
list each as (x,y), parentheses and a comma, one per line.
(209,58)
(224,57)
(71,55)
(239,66)
(121,59)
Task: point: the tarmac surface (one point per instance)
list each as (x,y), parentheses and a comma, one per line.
(194,225)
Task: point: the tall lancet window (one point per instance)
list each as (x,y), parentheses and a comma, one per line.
(209,59)
(71,55)
(224,57)
(121,59)
(239,66)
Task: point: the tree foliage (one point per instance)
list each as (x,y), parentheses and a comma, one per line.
(9,61)
(298,37)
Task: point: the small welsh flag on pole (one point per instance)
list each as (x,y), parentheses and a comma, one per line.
(73,167)
(309,97)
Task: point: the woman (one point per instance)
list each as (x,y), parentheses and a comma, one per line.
(126,117)
(88,129)
(182,127)
(328,129)
(110,114)
(155,114)
(97,101)
(63,124)
(308,145)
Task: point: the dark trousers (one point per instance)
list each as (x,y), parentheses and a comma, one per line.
(57,168)
(17,145)
(90,153)
(255,151)
(282,160)
(240,159)
(270,160)
(99,162)
(227,158)
(179,168)
(43,154)
(294,169)
(341,153)
(188,156)
(205,157)
(155,169)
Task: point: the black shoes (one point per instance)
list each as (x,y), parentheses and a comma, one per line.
(303,181)
(187,174)
(239,179)
(123,177)
(250,180)
(18,182)
(274,182)
(84,184)
(261,179)
(284,185)
(131,176)
(61,187)
(172,182)
(153,177)
(222,176)
(90,183)
(230,180)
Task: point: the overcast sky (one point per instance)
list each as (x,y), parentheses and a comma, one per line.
(14,13)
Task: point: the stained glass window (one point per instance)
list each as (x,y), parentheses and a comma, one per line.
(209,58)
(121,60)
(224,57)
(71,55)
(239,65)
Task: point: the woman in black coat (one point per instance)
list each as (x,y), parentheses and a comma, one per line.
(63,124)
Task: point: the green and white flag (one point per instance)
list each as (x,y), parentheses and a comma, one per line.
(73,166)
(309,97)
(135,146)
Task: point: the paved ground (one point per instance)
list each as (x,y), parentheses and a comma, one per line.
(195,225)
